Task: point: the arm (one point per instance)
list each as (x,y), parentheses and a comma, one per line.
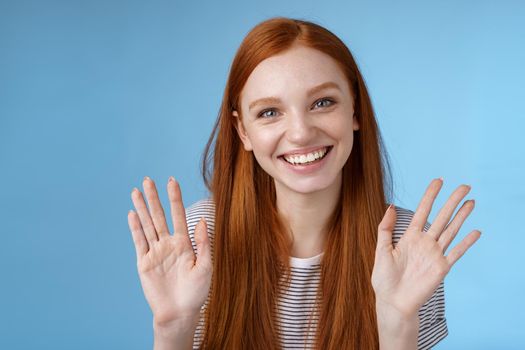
(405,276)
(174,279)
(177,335)
(396,331)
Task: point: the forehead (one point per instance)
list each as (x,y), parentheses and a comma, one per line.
(291,73)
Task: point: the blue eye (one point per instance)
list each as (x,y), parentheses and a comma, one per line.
(325,99)
(262,114)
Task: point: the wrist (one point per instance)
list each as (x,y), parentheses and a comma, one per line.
(396,329)
(398,312)
(176,327)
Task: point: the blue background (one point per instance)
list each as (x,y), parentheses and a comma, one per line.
(94,95)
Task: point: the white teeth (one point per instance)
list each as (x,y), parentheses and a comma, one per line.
(306,158)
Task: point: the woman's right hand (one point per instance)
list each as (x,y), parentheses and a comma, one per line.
(175,282)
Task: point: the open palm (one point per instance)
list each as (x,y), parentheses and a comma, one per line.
(406,276)
(174,281)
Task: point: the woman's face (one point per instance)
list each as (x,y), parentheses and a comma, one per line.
(297,118)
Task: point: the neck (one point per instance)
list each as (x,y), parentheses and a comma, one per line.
(306,216)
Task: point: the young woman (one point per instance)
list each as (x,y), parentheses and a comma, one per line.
(297,246)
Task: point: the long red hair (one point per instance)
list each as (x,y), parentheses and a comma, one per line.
(251,247)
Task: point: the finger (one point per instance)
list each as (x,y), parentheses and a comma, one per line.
(420,217)
(145,219)
(444,215)
(460,249)
(139,240)
(203,245)
(385,229)
(157,213)
(452,229)
(178,214)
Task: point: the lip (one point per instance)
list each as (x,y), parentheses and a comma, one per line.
(308,168)
(304,150)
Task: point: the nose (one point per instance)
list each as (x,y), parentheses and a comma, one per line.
(300,129)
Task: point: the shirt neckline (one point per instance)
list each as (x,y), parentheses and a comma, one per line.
(305,262)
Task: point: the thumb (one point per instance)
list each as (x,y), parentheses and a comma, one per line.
(203,245)
(385,229)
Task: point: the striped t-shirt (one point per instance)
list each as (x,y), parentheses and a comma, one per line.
(296,315)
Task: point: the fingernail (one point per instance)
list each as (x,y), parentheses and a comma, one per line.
(146,178)
(171,178)
(441,178)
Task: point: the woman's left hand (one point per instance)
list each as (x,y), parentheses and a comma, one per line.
(405,276)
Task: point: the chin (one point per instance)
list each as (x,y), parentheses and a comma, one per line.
(307,187)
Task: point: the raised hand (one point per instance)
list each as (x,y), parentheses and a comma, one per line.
(175,282)
(406,276)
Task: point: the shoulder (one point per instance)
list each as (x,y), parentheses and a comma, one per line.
(403,219)
(203,208)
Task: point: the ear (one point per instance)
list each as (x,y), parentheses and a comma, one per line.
(355,123)
(242,132)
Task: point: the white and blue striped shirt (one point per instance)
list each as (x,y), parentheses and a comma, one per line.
(296,315)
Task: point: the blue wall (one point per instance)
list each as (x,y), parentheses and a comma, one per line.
(94,95)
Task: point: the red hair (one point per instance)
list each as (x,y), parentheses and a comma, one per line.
(251,246)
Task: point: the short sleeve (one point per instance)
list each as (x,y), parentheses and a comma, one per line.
(432,321)
(203,208)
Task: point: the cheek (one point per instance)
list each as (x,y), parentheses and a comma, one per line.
(341,130)
(264,148)
(264,143)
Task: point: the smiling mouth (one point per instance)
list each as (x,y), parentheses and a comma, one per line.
(307,159)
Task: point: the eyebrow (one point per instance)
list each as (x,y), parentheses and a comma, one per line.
(315,89)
